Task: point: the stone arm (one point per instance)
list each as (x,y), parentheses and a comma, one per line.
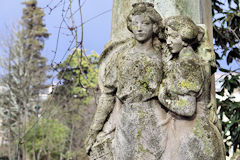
(183,84)
(107,80)
(107,84)
(183,105)
(105,107)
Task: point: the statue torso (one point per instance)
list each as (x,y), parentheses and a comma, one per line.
(138,75)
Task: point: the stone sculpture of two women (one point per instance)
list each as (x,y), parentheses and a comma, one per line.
(155,96)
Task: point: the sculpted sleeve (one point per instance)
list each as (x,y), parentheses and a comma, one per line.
(107,80)
(182,85)
(107,83)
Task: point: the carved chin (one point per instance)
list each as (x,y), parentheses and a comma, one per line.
(172,50)
(175,49)
(141,39)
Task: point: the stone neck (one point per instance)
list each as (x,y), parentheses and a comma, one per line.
(186,52)
(143,46)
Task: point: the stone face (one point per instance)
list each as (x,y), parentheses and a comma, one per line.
(121,10)
(155,101)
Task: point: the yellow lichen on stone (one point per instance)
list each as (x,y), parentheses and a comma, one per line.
(139,134)
(201,133)
(144,86)
(141,149)
(181,103)
(141,114)
(188,84)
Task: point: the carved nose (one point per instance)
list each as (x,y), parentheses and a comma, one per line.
(168,41)
(139,28)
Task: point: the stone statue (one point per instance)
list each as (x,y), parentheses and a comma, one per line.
(129,81)
(185,93)
(154,103)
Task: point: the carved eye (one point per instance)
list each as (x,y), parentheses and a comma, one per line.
(135,23)
(173,35)
(146,22)
(208,49)
(166,31)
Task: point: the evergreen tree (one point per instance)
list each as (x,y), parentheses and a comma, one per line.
(35,34)
(25,75)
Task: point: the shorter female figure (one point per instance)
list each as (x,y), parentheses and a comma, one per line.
(184,94)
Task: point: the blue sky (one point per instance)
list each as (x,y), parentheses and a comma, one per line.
(96,31)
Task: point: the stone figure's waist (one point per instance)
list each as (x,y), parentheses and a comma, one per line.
(135,98)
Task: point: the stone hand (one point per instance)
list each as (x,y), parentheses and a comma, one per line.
(162,96)
(90,140)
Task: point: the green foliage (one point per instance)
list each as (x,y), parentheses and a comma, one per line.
(75,116)
(78,75)
(226,29)
(48,137)
(73,99)
(226,33)
(231,127)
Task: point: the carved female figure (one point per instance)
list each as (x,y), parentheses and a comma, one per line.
(183,92)
(131,78)
(139,132)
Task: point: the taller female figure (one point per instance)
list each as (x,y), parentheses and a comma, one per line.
(131,78)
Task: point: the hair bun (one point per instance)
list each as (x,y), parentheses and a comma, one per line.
(143,4)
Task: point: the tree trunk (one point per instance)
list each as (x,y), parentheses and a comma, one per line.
(10,137)
(71,139)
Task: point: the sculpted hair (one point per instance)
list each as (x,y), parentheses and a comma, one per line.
(188,30)
(148,9)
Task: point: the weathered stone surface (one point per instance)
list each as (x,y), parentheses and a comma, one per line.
(185,92)
(208,63)
(130,74)
(236,156)
(155,93)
